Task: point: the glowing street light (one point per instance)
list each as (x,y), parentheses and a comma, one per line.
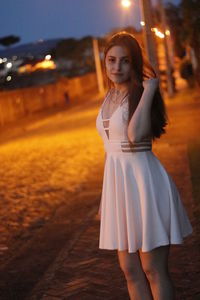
(126,3)
(167,32)
(142,23)
(158,33)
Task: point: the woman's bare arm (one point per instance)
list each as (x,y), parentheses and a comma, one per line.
(140,124)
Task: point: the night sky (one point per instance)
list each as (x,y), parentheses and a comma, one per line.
(45,19)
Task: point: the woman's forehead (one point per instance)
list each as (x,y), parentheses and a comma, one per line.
(117,51)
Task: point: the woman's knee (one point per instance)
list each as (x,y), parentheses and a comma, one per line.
(130,265)
(155,263)
(153,273)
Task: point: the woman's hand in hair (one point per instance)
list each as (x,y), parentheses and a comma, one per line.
(140,124)
(152,83)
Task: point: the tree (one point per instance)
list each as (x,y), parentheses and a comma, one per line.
(191,24)
(9,40)
(175,23)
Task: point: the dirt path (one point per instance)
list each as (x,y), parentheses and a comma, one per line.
(53,171)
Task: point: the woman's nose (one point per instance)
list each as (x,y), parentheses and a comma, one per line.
(118,66)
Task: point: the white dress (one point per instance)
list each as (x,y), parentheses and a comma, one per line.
(140,205)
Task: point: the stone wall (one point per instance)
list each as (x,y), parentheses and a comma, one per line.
(15,104)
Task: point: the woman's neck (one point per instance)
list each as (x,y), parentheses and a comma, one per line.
(121,87)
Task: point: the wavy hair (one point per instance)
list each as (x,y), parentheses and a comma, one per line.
(141,69)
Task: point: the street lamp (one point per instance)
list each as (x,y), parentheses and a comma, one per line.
(126,3)
(147,24)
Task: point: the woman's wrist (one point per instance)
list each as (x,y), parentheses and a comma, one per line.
(152,83)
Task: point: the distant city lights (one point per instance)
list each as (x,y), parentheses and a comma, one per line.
(48,57)
(45,64)
(8,78)
(1,60)
(9,65)
(4,59)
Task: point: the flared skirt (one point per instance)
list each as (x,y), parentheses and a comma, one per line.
(141,207)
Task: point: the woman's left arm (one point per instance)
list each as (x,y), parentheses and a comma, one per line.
(140,124)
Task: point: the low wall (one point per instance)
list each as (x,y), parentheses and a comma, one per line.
(15,104)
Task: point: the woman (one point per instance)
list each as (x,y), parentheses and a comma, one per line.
(141,211)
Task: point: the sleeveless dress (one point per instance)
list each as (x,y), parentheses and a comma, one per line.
(140,205)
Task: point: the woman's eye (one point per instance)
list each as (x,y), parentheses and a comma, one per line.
(111,59)
(126,61)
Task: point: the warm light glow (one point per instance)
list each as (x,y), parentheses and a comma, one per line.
(158,33)
(142,23)
(25,69)
(48,57)
(1,60)
(126,3)
(44,65)
(167,32)
(28,68)
(9,65)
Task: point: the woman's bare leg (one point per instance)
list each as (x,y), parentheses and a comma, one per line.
(155,266)
(137,283)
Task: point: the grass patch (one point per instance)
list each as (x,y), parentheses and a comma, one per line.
(194,162)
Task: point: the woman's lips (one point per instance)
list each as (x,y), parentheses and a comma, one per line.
(117,74)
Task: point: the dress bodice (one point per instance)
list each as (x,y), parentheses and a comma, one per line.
(113,130)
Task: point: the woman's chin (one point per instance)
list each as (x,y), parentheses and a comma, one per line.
(117,81)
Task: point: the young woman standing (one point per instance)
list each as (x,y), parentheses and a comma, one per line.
(141,212)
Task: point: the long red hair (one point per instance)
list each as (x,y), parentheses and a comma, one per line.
(141,69)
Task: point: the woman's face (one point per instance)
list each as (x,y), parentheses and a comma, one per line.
(118,65)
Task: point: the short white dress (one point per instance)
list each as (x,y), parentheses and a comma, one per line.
(140,205)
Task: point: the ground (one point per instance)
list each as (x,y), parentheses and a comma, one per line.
(51,175)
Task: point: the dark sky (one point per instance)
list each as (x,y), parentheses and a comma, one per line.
(43,19)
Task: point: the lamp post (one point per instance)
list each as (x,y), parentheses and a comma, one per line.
(98,66)
(170,85)
(147,24)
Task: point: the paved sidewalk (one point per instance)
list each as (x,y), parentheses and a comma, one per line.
(83,271)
